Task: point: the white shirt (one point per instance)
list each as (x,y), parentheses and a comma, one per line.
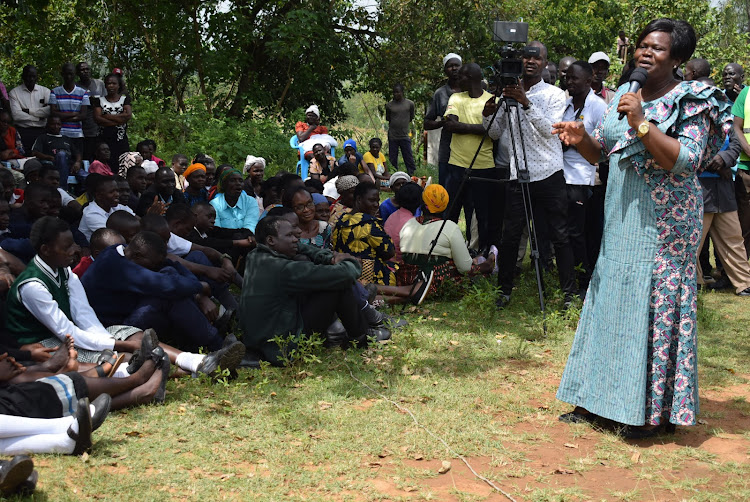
(94,217)
(65,196)
(577,170)
(543,149)
(85,328)
(417,238)
(178,246)
(329,188)
(36,101)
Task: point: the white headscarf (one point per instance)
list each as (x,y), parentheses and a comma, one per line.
(251,159)
(149,166)
(451,55)
(314,109)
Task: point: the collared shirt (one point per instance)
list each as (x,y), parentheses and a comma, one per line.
(244,214)
(578,170)
(85,327)
(606,94)
(70,101)
(36,101)
(543,149)
(94,217)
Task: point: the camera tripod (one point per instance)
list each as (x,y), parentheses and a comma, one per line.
(524,179)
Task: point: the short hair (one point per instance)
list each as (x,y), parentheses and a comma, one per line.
(286,199)
(681,33)
(133,171)
(272,184)
(315,184)
(289,178)
(120,179)
(35,191)
(202,205)
(376,140)
(363,188)
(701,68)
(346,169)
(27,68)
(150,143)
(164,170)
(121,219)
(280,211)
(6,175)
(153,223)
(66,65)
(584,66)
(146,241)
(268,227)
(99,182)
(178,156)
(140,144)
(46,168)
(409,196)
(103,237)
(179,212)
(45,230)
(399,85)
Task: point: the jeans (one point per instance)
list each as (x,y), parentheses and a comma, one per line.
(405,145)
(548,199)
(62,164)
(578,196)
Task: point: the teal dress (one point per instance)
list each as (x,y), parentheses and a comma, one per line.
(634,357)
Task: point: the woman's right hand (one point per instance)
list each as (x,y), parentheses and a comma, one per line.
(570,133)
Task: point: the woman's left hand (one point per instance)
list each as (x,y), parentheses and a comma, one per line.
(630,104)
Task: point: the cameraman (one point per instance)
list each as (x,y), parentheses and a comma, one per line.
(541,105)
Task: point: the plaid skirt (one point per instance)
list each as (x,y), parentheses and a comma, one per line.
(90,356)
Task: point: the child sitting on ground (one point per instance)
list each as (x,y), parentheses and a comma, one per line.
(375,162)
(101,239)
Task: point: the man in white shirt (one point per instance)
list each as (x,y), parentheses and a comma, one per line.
(29,105)
(583,105)
(106,201)
(539,106)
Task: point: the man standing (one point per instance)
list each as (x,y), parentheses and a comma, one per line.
(434,118)
(623,43)
(697,68)
(463,119)
(552,69)
(541,106)
(71,104)
(29,105)
(399,113)
(96,90)
(741,112)
(583,105)
(599,61)
(733,75)
(562,69)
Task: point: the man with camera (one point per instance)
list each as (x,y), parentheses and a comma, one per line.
(540,162)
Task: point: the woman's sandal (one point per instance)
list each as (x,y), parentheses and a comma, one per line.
(635,432)
(576,417)
(108,357)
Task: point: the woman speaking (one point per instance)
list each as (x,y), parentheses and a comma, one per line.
(633,360)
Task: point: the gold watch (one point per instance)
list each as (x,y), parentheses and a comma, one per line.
(643,128)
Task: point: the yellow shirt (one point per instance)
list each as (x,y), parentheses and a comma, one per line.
(379,163)
(463,146)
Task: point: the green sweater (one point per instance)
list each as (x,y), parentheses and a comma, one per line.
(21,323)
(273,287)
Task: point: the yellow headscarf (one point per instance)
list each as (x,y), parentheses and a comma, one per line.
(435,198)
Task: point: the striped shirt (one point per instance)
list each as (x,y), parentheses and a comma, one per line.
(70,101)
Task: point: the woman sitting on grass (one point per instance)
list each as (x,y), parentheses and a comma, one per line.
(314,232)
(375,162)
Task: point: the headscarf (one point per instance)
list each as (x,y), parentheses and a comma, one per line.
(150,166)
(435,198)
(194,167)
(314,109)
(252,159)
(346,183)
(319,199)
(451,55)
(350,142)
(129,159)
(399,175)
(225,174)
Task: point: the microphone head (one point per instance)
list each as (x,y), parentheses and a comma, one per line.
(639,75)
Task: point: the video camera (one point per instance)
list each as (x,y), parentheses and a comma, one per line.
(509,68)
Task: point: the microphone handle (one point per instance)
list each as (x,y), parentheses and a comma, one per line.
(634,86)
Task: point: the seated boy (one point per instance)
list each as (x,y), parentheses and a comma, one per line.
(56,150)
(101,239)
(285,296)
(124,223)
(106,201)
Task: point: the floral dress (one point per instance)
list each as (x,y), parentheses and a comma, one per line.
(362,235)
(634,357)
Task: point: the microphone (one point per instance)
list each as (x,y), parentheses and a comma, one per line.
(637,79)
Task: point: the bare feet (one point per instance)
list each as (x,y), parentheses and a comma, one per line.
(61,357)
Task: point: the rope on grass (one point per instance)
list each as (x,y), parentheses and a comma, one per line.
(435,436)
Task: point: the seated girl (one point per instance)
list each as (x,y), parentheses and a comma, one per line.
(196,190)
(389,205)
(314,232)
(409,198)
(375,162)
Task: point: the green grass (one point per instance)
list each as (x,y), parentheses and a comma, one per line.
(483,380)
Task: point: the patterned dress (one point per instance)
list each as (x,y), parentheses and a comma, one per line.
(634,357)
(362,235)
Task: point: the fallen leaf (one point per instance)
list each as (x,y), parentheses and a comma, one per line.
(702,422)
(418,457)
(85,457)
(411,488)
(563,471)
(273,394)
(323,405)
(227,476)
(445,467)
(570,445)
(136,434)
(384,453)
(374,465)
(453,342)
(636,457)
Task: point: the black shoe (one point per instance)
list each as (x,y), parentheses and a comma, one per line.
(632,432)
(82,438)
(161,359)
(14,472)
(28,486)
(421,293)
(149,342)
(336,335)
(380,333)
(502,301)
(251,360)
(372,292)
(721,283)
(374,317)
(226,358)
(222,323)
(744,292)
(102,405)
(229,340)
(574,417)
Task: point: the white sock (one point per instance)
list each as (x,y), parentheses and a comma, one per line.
(37,443)
(189,361)
(74,427)
(12,426)
(121,372)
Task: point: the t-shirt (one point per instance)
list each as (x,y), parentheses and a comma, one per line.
(464,146)
(50,145)
(738,110)
(70,101)
(379,163)
(399,115)
(437,109)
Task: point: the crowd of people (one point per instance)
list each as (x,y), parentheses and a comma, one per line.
(103,247)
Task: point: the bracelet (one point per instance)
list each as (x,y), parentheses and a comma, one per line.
(225,256)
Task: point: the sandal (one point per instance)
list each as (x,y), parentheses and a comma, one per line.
(108,357)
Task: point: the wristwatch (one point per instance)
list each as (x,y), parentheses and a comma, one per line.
(643,128)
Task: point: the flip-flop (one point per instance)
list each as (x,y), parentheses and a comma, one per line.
(107,356)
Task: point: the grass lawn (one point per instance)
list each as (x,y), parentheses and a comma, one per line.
(483,381)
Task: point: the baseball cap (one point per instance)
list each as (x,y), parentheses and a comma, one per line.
(598,56)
